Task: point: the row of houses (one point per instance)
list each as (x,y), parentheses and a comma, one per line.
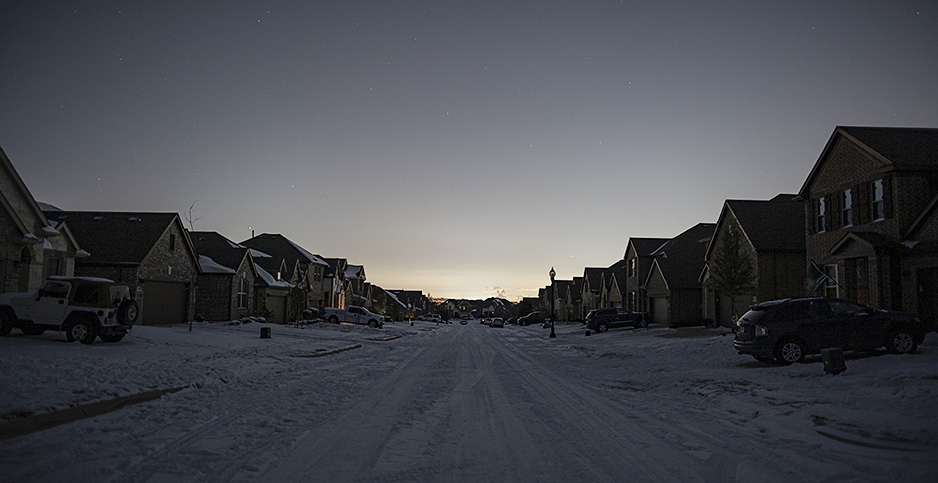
(863,227)
(177,275)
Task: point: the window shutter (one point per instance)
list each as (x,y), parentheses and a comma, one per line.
(887,197)
(861,204)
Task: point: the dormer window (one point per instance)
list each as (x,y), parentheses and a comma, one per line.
(877,208)
(820,209)
(172,242)
(847,203)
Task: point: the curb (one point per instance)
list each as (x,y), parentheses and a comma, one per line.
(41,422)
(328,353)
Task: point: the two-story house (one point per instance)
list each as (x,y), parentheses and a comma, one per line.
(638,258)
(226,285)
(770,236)
(869,218)
(673,286)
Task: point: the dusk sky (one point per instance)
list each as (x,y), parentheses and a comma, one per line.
(458,148)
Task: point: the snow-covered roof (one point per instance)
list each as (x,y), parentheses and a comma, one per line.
(210,266)
(258,254)
(269,279)
(309,256)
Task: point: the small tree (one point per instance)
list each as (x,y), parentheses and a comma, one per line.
(732,273)
(190,216)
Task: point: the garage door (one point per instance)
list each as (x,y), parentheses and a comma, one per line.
(278,306)
(659,310)
(164,303)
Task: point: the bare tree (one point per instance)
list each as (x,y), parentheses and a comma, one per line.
(190,216)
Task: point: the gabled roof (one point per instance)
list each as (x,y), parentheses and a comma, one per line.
(681,259)
(775,225)
(279,246)
(220,250)
(356,272)
(873,240)
(897,147)
(121,238)
(18,183)
(335,266)
(593,278)
(616,273)
(644,247)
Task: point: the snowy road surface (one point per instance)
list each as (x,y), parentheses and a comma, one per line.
(469,403)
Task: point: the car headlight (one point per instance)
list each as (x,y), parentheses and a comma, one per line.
(761,331)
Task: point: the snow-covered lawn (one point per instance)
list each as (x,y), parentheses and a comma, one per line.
(462,403)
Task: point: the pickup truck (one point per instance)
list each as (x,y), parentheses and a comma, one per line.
(354,315)
(85,308)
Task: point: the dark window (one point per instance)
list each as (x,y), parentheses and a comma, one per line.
(55,289)
(172,242)
(820,210)
(830,283)
(87,295)
(243,293)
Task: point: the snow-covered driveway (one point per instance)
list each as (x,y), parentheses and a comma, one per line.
(465,403)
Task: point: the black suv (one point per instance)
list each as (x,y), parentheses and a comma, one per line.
(602,320)
(788,330)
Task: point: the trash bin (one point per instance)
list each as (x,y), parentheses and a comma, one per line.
(833,360)
(265,332)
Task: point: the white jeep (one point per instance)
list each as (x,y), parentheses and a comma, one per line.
(83,307)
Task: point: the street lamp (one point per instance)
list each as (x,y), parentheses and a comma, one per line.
(552,333)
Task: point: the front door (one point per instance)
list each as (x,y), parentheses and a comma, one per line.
(928,296)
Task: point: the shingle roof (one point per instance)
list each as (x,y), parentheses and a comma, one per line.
(220,249)
(593,276)
(773,225)
(646,246)
(279,246)
(905,147)
(113,237)
(682,257)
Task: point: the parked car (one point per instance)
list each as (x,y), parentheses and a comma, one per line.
(84,307)
(787,330)
(497,322)
(601,320)
(512,321)
(532,318)
(355,315)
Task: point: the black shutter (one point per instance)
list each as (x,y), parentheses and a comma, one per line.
(861,204)
(887,196)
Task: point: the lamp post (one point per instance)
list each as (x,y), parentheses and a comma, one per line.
(552,274)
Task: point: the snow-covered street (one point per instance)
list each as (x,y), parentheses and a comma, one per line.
(462,403)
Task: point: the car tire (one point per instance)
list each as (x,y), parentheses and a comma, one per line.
(111,338)
(82,330)
(127,312)
(32,329)
(372,324)
(601,327)
(901,341)
(334,319)
(6,322)
(790,350)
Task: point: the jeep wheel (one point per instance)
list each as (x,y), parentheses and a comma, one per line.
(900,341)
(81,330)
(113,337)
(6,322)
(789,351)
(127,312)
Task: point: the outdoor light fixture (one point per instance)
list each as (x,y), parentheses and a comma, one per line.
(553,334)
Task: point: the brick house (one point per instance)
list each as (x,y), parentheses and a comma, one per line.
(31,247)
(638,258)
(149,252)
(289,262)
(673,286)
(611,293)
(870,218)
(771,236)
(590,296)
(226,285)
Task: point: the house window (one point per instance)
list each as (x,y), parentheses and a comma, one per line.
(633,301)
(53,266)
(847,203)
(821,211)
(243,293)
(317,274)
(830,282)
(172,242)
(876,201)
(632,267)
